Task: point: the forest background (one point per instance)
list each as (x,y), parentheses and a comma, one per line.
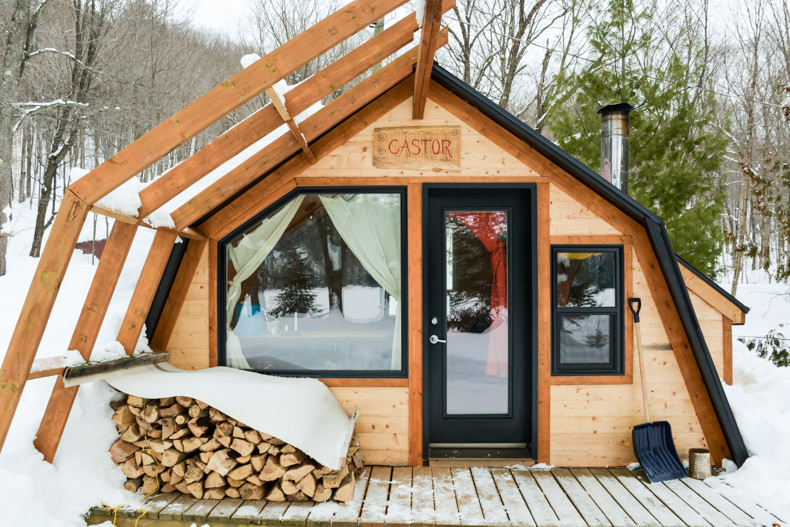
(709,83)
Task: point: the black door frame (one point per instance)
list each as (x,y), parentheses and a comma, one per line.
(530,339)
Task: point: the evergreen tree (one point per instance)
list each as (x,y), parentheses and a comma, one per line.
(676,153)
(297,295)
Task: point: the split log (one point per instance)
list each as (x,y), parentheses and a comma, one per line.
(196,489)
(186,402)
(120,451)
(171,411)
(133,484)
(307,485)
(291,458)
(321,493)
(217,493)
(272,470)
(135,402)
(221,462)
(241,472)
(298,473)
(149,485)
(345,492)
(275,494)
(214,480)
(150,413)
(249,491)
(232,493)
(241,446)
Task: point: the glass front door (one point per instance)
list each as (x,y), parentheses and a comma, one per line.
(478,349)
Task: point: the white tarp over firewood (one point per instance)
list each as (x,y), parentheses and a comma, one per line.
(302,412)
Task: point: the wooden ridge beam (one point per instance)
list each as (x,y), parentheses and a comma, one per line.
(292,126)
(143,295)
(229,95)
(38,305)
(251,170)
(429,36)
(85,333)
(266,119)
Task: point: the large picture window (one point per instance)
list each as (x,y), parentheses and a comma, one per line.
(587,321)
(315,286)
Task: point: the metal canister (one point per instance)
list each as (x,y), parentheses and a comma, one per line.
(699,463)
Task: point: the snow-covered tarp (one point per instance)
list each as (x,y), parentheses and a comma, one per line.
(302,412)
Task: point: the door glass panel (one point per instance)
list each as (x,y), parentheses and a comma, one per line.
(477,373)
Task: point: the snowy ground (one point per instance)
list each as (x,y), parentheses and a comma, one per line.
(33,492)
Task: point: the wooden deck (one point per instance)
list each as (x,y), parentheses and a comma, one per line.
(446,497)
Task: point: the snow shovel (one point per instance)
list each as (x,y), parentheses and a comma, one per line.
(653,444)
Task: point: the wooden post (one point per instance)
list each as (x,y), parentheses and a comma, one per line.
(85,333)
(38,305)
(144,293)
(428,44)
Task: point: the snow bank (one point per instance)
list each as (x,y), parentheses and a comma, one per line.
(760,400)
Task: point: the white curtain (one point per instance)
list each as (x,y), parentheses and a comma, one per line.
(247,257)
(370,226)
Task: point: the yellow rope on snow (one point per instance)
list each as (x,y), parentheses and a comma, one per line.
(145,511)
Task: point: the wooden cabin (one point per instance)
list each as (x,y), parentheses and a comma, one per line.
(437,263)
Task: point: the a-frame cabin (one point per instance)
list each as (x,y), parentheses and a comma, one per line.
(470,295)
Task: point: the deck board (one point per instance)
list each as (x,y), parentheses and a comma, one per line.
(536,500)
(647,499)
(375,505)
(696,502)
(490,501)
(399,505)
(444,497)
(466,496)
(477,496)
(602,498)
(422,508)
(559,501)
(635,510)
(516,509)
(584,503)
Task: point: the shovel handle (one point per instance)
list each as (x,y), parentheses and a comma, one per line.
(635,310)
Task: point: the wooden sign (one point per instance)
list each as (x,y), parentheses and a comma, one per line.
(417,147)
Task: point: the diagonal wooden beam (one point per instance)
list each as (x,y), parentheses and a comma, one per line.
(276,184)
(292,126)
(143,295)
(266,119)
(85,333)
(334,112)
(38,306)
(229,95)
(133,220)
(428,45)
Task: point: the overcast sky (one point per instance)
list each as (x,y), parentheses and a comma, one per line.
(220,16)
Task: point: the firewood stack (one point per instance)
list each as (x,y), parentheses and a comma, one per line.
(198,450)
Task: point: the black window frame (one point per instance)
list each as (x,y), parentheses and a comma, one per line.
(616,365)
(330,374)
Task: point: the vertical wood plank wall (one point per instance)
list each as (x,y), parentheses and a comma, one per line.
(587,425)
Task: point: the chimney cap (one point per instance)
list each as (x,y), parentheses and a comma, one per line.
(622,107)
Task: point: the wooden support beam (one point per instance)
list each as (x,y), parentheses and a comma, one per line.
(132,220)
(85,333)
(429,36)
(231,94)
(313,127)
(38,305)
(267,119)
(292,126)
(144,293)
(178,292)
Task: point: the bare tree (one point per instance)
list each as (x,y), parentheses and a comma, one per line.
(20,35)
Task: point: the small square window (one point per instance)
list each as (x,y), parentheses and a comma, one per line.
(587,319)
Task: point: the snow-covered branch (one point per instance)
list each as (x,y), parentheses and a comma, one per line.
(30,108)
(66,54)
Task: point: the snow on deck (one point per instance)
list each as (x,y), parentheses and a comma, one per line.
(481,496)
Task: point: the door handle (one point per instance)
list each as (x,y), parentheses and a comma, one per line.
(436,340)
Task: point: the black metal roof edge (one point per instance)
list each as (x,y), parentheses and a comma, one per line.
(654,226)
(708,280)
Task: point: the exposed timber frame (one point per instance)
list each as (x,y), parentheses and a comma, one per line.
(82,196)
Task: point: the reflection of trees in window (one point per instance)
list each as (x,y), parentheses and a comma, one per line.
(296,294)
(470,292)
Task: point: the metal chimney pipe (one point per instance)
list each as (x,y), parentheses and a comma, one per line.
(615,130)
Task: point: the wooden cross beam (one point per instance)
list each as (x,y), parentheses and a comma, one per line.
(267,119)
(256,166)
(429,38)
(292,126)
(138,222)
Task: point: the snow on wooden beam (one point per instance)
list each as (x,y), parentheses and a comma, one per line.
(133,220)
(253,169)
(229,95)
(38,306)
(266,120)
(428,46)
